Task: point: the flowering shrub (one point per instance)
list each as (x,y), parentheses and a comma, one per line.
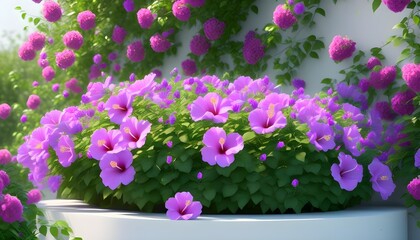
(236,147)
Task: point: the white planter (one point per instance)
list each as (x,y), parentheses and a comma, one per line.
(384,223)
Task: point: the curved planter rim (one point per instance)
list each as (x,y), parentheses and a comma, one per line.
(385,223)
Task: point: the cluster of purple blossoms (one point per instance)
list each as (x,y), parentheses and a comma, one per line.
(51,11)
(33,101)
(341,48)
(182,207)
(396,5)
(181,11)
(372,62)
(189,67)
(283,17)
(86,20)
(5,110)
(402,102)
(37,40)
(48,73)
(129,5)
(383,78)
(135,51)
(199,45)
(213,29)
(414,188)
(159,43)
(118,34)
(411,76)
(65,59)
(73,40)
(253,49)
(145,18)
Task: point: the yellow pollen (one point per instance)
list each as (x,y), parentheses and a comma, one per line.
(187,203)
(270,111)
(64,149)
(113,164)
(222,141)
(116,106)
(350,138)
(101,142)
(327,137)
(127,130)
(39,146)
(384,178)
(245,89)
(213,100)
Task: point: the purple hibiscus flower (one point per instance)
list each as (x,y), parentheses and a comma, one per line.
(65,151)
(54,183)
(351,139)
(348,173)
(103,141)
(134,132)
(220,148)
(38,143)
(381,178)
(182,207)
(321,135)
(119,107)
(116,169)
(211,107)
(352,112)
(266,121)
(144,86)
(280,101)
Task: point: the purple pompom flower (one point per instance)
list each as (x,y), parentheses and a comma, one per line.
(51,11)
(295,183)
(348,173)
(119,107)
(383,78)
(73,40)
(145,18)
(134,132)
(372,62)
(5,110)
(341,48)
(298,83)
(11,209)
(402,102)
(48,73)
(86,20)
(55,87)
(33,196)
(414,188)
(211,107)
(213,29)
(253,49)
(299,8)
(23,118)
(182,207)
(385,111)
(181,11)
(199,45)
(129,5)
(103,142)
(26,52)
(321,135)
(189,67)
(65,151)
(220,148)
(65,59)
(4,180)
(37,40)
(411,76)
(396,5)
(135,51)
(116,169)
(381,178)
(118,34)
(5,156)
(159,43)
(283,17)
(33,101)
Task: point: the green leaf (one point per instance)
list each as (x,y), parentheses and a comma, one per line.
(229,190)
(253,187)
(314,55)
(320,11)
(23,15)
(326,81)
(248,136)
(18,8)
(376,4)
(301,156)
(254,9)
(37,20)
(54,231)
(209,194)
(43,230)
